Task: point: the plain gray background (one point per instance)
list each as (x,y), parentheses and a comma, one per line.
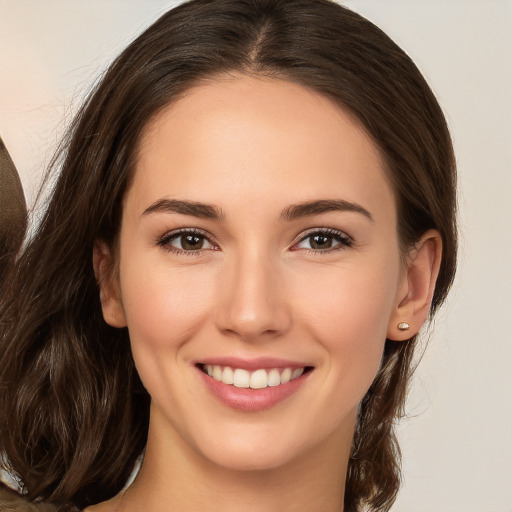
(457,442)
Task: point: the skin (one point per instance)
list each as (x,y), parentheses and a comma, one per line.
(252,147)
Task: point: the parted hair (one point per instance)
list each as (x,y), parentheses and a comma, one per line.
(73,412)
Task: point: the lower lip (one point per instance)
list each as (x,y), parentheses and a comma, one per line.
(252,400)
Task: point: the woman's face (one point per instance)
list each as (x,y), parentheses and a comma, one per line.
(258,243)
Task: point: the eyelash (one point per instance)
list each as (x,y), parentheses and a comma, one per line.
(165,241)
(344,241)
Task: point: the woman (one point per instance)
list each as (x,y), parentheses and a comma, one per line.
(253,219)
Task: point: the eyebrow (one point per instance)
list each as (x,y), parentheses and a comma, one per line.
(292,212)
(296,211)
(202,210)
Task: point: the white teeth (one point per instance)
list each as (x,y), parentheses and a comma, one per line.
(241,378)
(274,379)
(258,379)
(297,373)
(227,375)
(286,376)
(217,373)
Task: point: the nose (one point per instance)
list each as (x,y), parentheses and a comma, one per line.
(252,304)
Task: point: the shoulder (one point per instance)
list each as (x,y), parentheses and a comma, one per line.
(11,501)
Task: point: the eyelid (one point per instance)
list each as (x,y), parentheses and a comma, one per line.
(164,240)
(345,240)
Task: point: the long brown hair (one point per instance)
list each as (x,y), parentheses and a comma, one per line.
(73,412)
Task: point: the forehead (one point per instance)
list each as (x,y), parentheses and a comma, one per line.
(247,137)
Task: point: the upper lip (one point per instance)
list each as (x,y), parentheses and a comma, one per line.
(255,363)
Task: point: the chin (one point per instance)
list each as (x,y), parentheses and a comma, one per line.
(248,458)
(256,447)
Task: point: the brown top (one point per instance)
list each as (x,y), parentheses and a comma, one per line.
(13,210)
(11,501)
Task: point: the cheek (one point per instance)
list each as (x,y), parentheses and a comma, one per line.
(163,306)
(348,312)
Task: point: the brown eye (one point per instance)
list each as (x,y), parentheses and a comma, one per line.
(190,242)
(325,240)
(186,241)
(321,242)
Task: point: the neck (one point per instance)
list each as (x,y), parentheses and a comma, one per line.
(175,476)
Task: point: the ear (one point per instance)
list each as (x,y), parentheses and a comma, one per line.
(416,287)
(110,297)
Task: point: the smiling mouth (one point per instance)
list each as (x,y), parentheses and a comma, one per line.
(257,379)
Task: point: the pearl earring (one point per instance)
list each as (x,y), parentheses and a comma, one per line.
(403,326)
